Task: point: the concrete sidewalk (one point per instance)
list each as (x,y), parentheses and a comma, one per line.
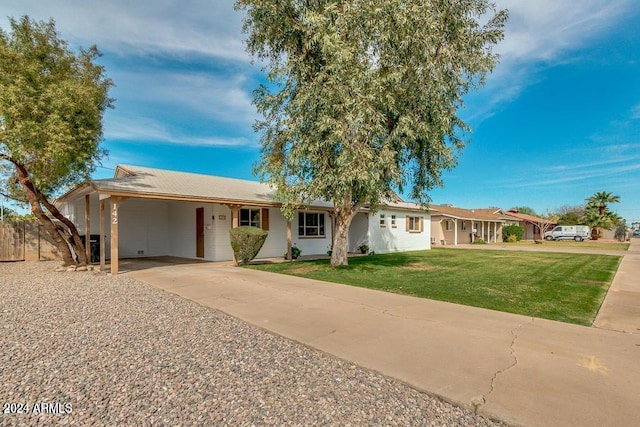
(620,310)
(518,369)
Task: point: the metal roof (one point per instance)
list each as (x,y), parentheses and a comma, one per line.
(144,182)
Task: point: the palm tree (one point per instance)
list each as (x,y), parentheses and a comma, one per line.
(601,199)
(597,215)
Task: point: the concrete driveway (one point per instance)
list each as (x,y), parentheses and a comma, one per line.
(521,370)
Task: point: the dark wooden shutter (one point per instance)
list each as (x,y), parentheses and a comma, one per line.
(265,218)
(200,232)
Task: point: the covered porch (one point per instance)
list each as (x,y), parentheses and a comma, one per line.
(454,231)
(453,226)
(144,212)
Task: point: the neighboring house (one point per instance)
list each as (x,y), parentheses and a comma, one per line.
(534,227)
(451,225)
(143,212)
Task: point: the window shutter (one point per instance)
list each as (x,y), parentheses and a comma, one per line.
(421,224)
(406,223)
(265,218)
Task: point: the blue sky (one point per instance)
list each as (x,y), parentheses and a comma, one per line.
(558,120)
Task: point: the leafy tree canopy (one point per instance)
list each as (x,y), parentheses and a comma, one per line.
(363,95)
(597,214)
(51,105)
(601,200)
(569,215)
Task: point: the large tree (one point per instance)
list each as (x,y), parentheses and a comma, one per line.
(362,96)
(601,200)
(597,214)
(570,215)
(51,104)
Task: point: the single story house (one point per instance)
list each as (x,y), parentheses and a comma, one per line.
(145,212)
(452,226)
(534,227)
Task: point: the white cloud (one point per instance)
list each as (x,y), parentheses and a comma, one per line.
(576,175)
(618,160)
(543,29)
(209,28)
(538,35)
(185,59)
(209,96)
(144,129)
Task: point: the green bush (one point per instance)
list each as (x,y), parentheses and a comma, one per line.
(246,242)
(363,248)
(295,253)
(512,238)
(621,231)
(479,242)
(512,230)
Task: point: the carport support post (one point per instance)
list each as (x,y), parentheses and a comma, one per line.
(115,204)
(87,227)
(103,249)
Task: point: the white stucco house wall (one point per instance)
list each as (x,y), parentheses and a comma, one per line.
(146,212)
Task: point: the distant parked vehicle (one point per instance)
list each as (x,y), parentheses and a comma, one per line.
(636,232)
(573,232)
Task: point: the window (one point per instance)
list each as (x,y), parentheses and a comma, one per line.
(382,221)
(310,224)
(414,224)
(464,226)
(447,226)
(393,221)
(250,217)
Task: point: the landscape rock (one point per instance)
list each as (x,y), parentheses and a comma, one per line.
(114,351)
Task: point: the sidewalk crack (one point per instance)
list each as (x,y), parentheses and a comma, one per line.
(514,334)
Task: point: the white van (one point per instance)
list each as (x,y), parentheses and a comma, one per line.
(575,232)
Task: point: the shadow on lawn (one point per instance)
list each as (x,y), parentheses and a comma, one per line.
(398,259)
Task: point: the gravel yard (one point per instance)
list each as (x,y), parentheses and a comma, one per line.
(114,351)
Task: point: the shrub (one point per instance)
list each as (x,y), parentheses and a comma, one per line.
(295,253)
(363,248)
(621,231)
(479,242)
(246,242)
(512,238)
(512,230)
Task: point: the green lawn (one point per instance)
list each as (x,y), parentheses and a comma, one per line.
(586,244)
(558,286)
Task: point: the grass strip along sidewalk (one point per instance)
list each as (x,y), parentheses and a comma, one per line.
(558,286)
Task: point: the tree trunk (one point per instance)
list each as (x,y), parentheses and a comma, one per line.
(61,237)
(75,240)
(343,216)
(49,226)
(340,242)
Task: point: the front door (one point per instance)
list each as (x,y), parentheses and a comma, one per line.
(200,232)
